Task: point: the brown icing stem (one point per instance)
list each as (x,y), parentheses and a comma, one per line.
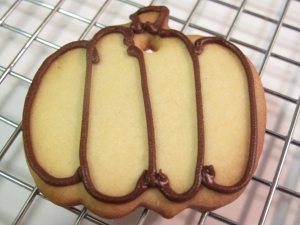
(209,183)
(138,27)
(38,169)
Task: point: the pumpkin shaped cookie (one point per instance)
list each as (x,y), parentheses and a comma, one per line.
(114,126)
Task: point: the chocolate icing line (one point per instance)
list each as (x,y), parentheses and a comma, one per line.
(91,55)
(29,151)
(208,171)
(135,51)
(166,189)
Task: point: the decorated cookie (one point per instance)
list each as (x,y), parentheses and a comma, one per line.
(144,115)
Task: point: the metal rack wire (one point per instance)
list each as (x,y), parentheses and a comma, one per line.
(240,9)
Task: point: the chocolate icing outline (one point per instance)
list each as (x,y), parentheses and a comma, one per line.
(166,189)
(208,172)
(154,178)
(29,152)
(92,58)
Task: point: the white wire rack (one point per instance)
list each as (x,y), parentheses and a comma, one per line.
(267,31)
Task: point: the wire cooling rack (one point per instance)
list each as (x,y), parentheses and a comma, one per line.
(267,31)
